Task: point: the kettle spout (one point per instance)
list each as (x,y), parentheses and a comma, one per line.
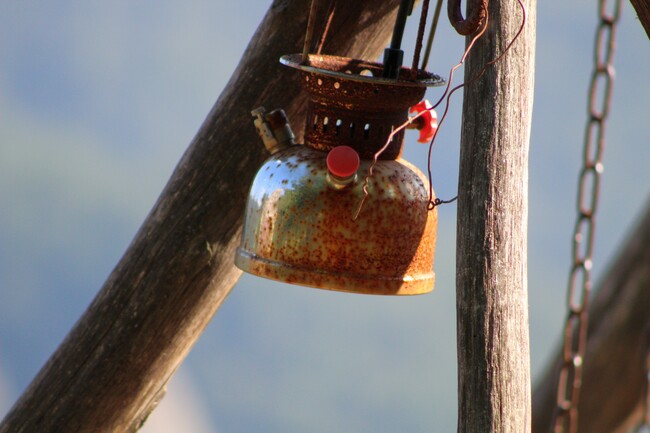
(274,129)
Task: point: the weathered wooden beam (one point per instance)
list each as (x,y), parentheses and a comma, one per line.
(112,368)
(613,378)
(491,269)
(642,8)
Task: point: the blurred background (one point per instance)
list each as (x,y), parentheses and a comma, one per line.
(98,101)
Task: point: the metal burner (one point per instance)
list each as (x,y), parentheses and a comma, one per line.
(352,104)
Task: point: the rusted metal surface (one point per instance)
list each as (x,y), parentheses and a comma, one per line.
(476,16)
(299,227)
(432,33)
(420,36)
(351,104)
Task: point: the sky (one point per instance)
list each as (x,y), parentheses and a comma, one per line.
(98,101)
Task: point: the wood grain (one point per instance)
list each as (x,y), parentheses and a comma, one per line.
(491,264)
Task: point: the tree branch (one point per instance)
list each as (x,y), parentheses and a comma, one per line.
(111,369)
(642,8)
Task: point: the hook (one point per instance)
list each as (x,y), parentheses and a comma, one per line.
(475,18)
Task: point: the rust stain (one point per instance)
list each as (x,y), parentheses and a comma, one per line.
(303,233)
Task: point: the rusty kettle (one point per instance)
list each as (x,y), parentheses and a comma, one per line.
(314,216)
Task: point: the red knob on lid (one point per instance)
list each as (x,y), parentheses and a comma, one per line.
(343,161)
(428,121)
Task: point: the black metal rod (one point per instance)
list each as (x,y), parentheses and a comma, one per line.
(400,24)
(393,55)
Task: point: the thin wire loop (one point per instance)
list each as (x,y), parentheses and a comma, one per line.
(405,124)
(470,81)
(432,203)
(438,201)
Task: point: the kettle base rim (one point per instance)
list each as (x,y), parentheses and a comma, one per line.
(350,283)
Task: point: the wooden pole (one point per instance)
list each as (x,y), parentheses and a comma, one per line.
(642,8)
(612,385)
(492,316)
(112,368)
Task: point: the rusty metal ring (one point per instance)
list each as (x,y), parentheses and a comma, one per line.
(475,18)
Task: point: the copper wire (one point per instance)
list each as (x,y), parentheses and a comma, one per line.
(445,96)
(466,83)
(411,119)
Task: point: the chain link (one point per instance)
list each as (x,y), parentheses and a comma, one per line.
(579,286)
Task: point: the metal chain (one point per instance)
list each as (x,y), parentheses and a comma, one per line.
(579,286)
